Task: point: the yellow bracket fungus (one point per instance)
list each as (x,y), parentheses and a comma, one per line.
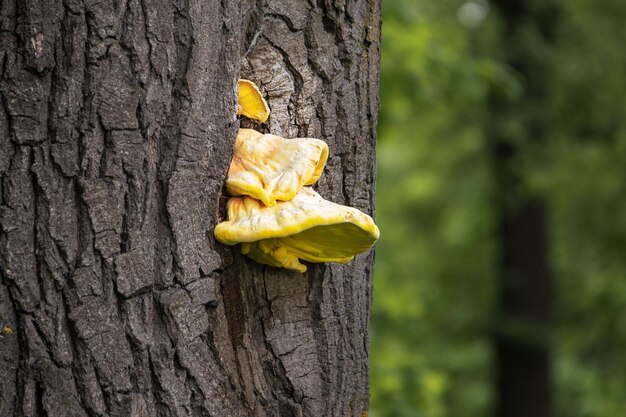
(278,220)
(270,168)
(251,102)
(307,228)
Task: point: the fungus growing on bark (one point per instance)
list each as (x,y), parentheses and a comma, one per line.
(305,228)
(270,168)
(278,220)
(251,102)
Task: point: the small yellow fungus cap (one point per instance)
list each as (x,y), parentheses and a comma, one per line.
(307,228)
(251,102)
(270,168)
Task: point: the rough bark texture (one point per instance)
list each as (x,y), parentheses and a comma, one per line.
(116,130)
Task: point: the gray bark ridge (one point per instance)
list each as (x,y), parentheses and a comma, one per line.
(116,129)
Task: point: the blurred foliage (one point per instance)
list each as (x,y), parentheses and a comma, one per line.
(434,288)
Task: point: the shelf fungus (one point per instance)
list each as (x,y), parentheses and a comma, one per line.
(305,228)
(251,102)
(270,168)
(273,215)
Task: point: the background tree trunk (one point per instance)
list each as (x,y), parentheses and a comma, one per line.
(116,130)
(519,127)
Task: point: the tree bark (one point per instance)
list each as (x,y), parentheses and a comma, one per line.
(116,130)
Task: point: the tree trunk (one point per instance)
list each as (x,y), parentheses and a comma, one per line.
(116,130)
(522,336)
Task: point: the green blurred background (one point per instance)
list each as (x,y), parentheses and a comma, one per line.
(501,199)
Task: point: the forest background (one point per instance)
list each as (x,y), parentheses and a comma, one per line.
(438,279)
